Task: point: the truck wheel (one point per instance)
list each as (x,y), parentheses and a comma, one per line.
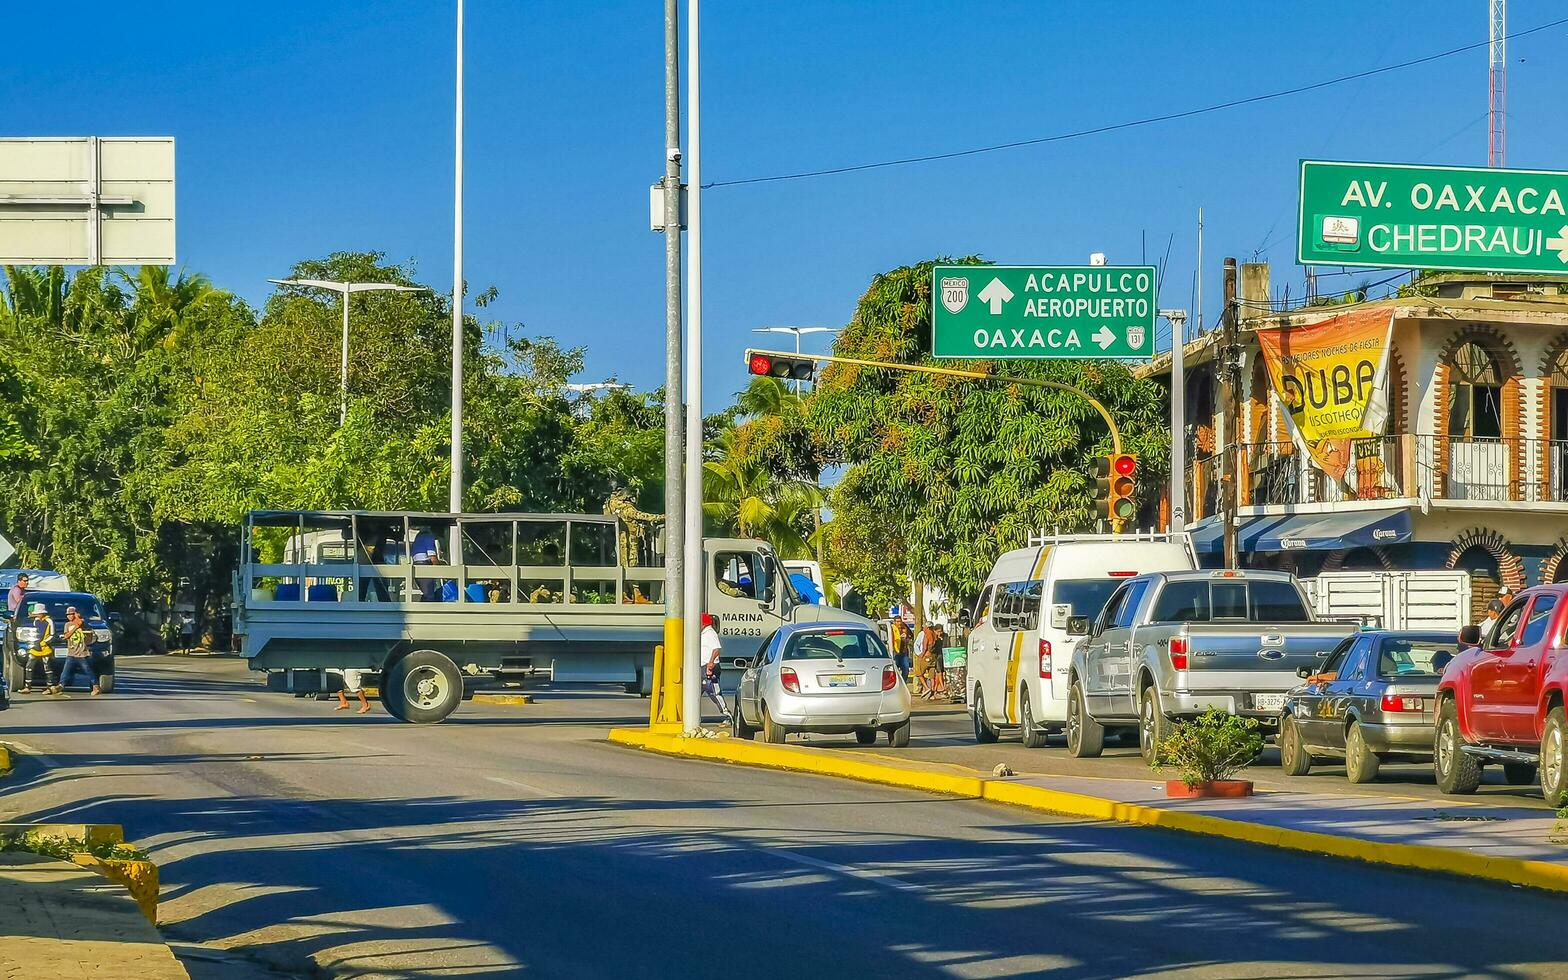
(738,726)
(898,735)
(106,683)
(1361,763)
(1293,755)
(15,673)
(1031,734)
(1554,758)
(1457,771)
(772,731)
(984,733)
(422,687)
(1153,726)
(866,736)
(1085,736)
(1519,773)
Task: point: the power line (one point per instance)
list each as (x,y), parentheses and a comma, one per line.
(1149,120)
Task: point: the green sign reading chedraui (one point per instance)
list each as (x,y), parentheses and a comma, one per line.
(1058,311)
(1407,217)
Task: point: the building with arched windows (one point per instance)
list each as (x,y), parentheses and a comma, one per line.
(1471,471)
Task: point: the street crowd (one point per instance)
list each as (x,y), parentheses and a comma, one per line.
(77,636)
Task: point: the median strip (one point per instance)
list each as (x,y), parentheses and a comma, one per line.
(1544,875)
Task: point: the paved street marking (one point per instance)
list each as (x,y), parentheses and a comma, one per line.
(527,786)
(884,878)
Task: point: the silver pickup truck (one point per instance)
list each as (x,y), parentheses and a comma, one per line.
(1174,644)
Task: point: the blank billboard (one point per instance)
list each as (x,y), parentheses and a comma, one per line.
(87,200)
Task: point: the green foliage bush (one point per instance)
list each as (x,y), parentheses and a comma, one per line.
(32,842)
(1210,747)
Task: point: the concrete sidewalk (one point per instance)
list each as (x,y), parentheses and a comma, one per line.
(64,922)
(1513,844)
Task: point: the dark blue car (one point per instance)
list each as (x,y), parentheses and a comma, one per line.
(21,637)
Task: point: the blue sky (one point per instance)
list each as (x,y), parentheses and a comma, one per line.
(305,128)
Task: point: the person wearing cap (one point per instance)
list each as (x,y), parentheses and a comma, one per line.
(41,657)
(712,649)
(1494,609)
(78,651)
(13,599)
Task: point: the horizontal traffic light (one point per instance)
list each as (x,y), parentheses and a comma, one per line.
(788,366)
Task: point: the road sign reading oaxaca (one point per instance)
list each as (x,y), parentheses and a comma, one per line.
(1058,311)
(1407,217)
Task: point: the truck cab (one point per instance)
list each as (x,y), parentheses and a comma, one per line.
(1500,702)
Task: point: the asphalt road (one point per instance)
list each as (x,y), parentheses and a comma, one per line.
(513,841)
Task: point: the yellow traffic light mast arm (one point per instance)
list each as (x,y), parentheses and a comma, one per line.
(1116,434)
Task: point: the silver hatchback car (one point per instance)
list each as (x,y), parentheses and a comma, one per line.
(831,678)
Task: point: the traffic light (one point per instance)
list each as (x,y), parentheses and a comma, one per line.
(1115,479)
(790,367)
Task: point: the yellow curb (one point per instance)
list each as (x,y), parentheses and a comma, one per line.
(140,878)
(1422,857)
(5,760)
(483,698)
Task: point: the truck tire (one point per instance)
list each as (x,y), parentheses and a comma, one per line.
(772,731)
(15,673)
(1554,758)
(738,726)
(1293,755)
(898,735)
(422,688)
(1029,732)
(106,683)
(1085,736)
(1458,772)
(1153,726)
(984,733)
(1519,773)
(1361,763)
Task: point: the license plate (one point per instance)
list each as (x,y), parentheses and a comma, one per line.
(836,680)
(1268,702)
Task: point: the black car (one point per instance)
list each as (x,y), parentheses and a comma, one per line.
(21,638)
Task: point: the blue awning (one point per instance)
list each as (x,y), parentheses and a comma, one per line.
(1306,532)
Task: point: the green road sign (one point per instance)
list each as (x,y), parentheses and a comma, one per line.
(1468,219)
(1055,311)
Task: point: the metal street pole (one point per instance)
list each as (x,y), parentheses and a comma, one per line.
(691,695)
(456,502)
(1230,408)
(1178,482)
(347,288)
(674,438)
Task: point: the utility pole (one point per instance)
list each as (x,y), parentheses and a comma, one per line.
(674,407)
(691,694)
(1178,482)
(456,500)
(1230,408)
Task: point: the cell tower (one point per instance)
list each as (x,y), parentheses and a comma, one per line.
(1497,83)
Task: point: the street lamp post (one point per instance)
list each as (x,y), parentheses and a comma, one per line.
(345,288)
(796,331)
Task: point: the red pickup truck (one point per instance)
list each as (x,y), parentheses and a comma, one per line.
(1501,700)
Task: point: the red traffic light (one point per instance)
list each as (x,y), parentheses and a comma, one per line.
(1125,464)
(760,364)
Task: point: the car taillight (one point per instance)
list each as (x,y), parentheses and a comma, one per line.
(1045,659)
(789,680)
(1399,702)
(1179,652)
(889,678)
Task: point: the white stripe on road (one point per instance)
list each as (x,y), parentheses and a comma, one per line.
(884,878)
(518,785)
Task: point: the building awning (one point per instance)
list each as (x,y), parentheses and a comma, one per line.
(1306,532)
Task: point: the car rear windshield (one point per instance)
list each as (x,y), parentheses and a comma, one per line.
(1399,658)
(1087,596)
(1234,600)
(835,645)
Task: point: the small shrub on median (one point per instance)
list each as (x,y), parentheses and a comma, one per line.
(31,842)
(1210,747)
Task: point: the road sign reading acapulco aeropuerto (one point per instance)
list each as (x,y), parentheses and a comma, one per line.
(1467,219)
(1056,311)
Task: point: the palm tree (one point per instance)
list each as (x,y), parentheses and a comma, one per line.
(743,498)
(34,292)
(767,395)
(158,315)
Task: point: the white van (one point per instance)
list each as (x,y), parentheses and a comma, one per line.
(1020,647)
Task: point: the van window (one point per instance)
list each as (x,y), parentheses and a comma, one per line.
(1086,596)
(1018,605)
(983,606)
(1182,602)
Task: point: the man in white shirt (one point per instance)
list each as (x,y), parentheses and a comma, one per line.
(920,665)
(712,649)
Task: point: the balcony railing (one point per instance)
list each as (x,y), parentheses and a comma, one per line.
(1433,467)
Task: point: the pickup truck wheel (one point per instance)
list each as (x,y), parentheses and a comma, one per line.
(1361,763)
(106,683)
(738,726)
(1153,726)
(15,673)
(1554,758)
(1293,755)
(984,733)
(1085,736)
(1457,771)
(866,736)
(772,731)
(422,687)
(898,735)
(1031,734)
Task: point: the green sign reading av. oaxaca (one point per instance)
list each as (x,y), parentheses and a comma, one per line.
(1058,311)
(1467,219)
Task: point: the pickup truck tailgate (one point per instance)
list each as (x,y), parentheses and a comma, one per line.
(1245,656)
